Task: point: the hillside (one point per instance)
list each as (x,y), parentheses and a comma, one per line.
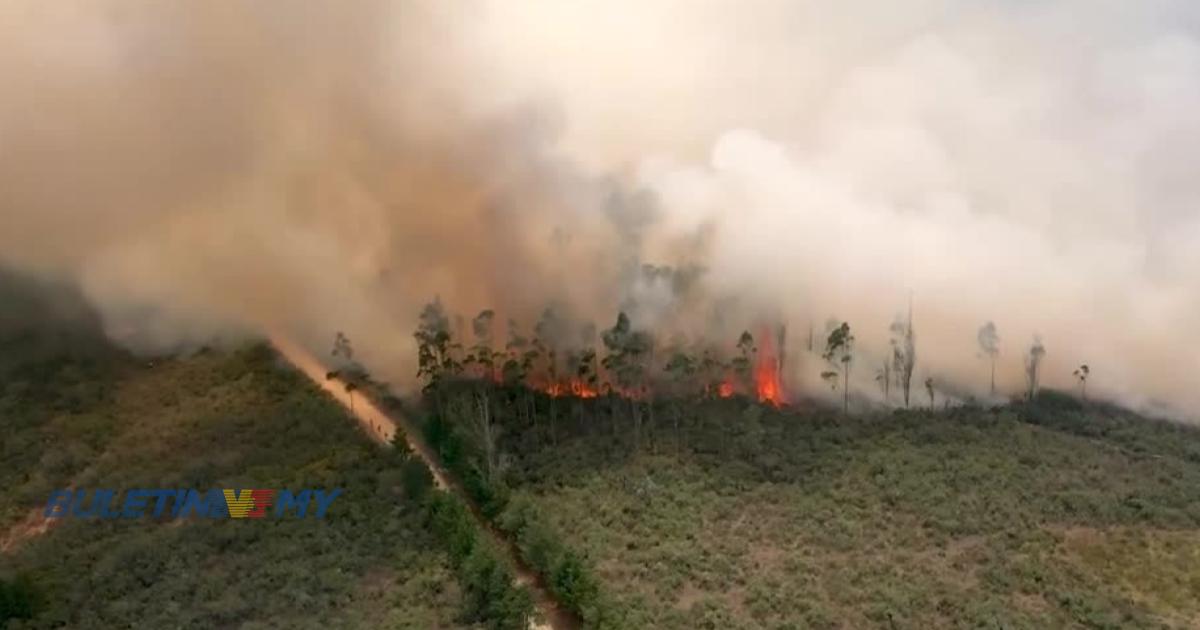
(85,415)
(716,513)
(1049,515)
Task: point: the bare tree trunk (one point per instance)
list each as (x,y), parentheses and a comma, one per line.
(846,391)
(887,384)
(484,420)
(993,376)
(637,425)
(1033,381)
(531,409)
(612,413)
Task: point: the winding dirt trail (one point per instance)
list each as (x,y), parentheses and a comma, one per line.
(382,428)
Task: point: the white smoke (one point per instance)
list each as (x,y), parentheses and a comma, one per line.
(1012,161)
(202,167)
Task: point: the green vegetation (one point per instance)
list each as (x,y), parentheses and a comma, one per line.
(1054,513)
(1048,514)
(463,424)
(665,508)
(215,419)
(19,599)
(491,592)
(567,575)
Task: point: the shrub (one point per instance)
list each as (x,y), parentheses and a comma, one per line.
(445,441)
(491,596)
(400,448)
(572,581)
(451,521)
(567,575)
(416,478)
(19,599)
(490,590)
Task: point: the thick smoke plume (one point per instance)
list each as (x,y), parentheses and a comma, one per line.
(212,169)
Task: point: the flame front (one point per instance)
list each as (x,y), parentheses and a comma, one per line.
(574,387)
(767,383)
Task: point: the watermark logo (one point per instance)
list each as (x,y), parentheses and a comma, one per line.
(183,503)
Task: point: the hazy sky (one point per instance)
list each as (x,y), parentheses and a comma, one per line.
(215,166)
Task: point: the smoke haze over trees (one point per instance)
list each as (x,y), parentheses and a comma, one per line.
(208,169)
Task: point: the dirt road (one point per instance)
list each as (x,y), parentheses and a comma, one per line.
(382,428)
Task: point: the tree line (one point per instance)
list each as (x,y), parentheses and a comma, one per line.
(897,369)
(571,361)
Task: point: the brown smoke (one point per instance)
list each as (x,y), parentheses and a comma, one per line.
(208,168)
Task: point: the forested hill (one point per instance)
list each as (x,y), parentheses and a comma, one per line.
(76,412)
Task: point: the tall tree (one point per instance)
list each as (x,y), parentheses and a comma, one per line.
(435,360)
(628,352)
(1081,375)
(482,354)
(1033,362)
(342,347)
(712,371)
(350,373)
(884,377)
(587,372)
(839,351)
(743,363)
(548,332)
(904,357)
(831,377)
(615,361)
(929,389)
(586,377)
(515,370)
(682,368)
(483,410)
(904,353)
(519,363)
(989,346)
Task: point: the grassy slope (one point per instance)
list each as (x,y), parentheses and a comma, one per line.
(213,420)
(968,519)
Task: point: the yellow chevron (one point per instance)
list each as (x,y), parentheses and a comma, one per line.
(239,505)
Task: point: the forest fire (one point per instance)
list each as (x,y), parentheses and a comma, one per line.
(631,366)
(767,367)
(766,383)
(574,387)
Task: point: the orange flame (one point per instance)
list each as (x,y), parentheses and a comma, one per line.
(582,390)
(574,387)
(725,389)
(766,371)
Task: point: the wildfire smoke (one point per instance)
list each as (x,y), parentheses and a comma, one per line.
(201,167)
